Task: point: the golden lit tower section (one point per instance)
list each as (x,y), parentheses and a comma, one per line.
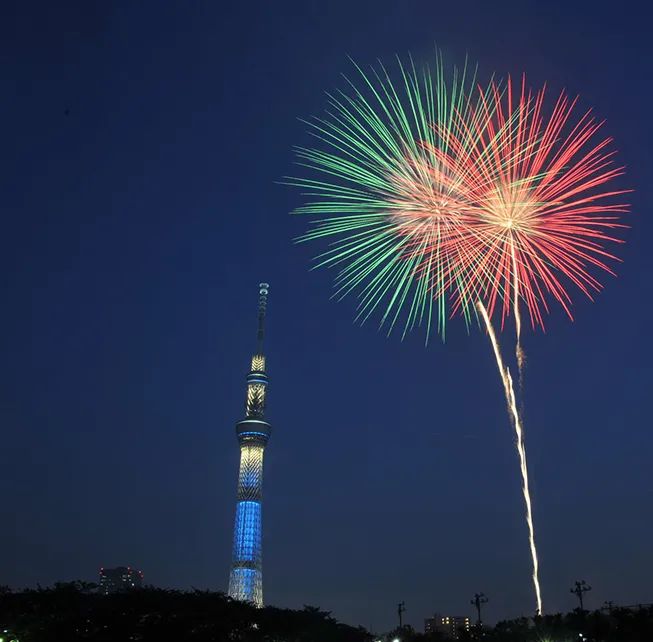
(246,578)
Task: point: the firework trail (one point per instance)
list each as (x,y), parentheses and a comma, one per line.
(439,200)
(519,351)
(511,400)
(543,216)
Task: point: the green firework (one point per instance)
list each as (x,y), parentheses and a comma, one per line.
(372,192)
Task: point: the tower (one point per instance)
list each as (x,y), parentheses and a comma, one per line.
(253,432)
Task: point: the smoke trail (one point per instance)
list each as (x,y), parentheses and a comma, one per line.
(516,421)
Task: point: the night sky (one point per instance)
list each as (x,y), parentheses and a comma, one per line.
(142,148)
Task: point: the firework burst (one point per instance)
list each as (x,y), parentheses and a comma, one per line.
(439,199)
(393,216)
(543,216)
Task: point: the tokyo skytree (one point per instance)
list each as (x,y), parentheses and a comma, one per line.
(253,432)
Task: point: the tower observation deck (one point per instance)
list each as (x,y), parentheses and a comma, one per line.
(253,432)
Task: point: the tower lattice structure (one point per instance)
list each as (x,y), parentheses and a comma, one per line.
(253,432)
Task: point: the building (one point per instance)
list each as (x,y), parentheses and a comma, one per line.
(253,432)
(121,578)
(450,625)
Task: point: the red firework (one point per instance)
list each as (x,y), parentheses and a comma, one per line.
(538,216)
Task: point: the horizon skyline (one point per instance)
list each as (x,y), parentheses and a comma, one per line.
(605,605)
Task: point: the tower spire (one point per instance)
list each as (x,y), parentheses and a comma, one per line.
(263,289)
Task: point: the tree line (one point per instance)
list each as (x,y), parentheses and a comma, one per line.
(72,612)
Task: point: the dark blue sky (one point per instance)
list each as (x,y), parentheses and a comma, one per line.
(141,142)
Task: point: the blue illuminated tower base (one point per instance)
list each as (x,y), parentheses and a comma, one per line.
(246,577)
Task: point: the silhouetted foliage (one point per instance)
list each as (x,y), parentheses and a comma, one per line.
(618,625)
(72,612)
